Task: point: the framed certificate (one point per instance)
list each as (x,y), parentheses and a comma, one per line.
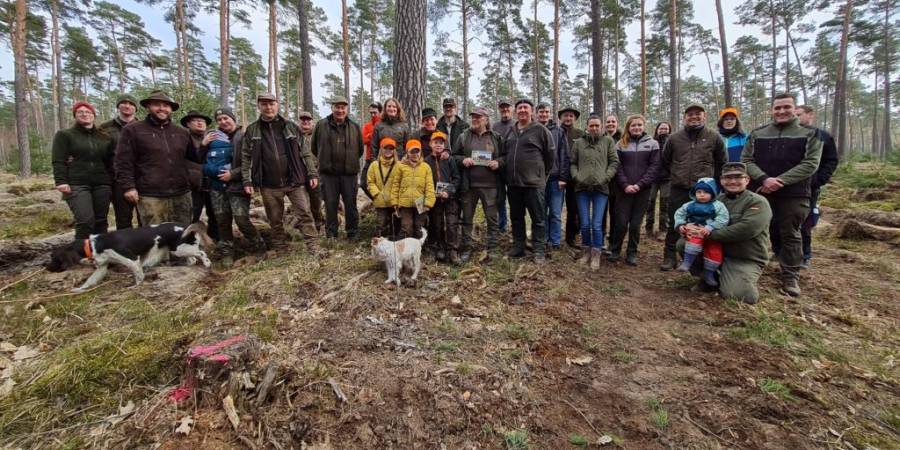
(481,157)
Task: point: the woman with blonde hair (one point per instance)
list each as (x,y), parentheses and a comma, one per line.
(393,125)
(639,165)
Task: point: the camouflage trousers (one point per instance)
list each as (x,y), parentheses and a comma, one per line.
(157,210)
(229,207)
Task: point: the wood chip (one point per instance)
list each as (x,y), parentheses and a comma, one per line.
(185,425)
(337,390)
(231,412)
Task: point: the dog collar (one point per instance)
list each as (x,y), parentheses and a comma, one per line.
(87,249)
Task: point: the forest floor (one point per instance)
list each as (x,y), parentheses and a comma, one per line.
(505,354)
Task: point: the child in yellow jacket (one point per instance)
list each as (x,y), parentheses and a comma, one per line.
(412,191)
(378,182)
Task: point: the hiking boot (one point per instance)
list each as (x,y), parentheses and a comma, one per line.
(669,263)
(571,243)
(701,287)
(539,258)
(585,257)
(631,259)
(595,258)
(791,286)
(613,257)
(516,252)
(454,258)
(805,264)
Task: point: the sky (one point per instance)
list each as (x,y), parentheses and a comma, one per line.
(704,14)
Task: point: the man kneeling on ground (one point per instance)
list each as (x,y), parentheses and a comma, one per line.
(745,239)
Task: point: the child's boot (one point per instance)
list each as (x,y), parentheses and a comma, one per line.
(710,268)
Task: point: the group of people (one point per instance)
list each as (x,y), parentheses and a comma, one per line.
(719,191)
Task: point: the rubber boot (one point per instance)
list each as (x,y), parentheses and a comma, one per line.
(709,277)
(687,262)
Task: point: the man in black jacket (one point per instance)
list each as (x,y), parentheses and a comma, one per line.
(526,158)
(807,117)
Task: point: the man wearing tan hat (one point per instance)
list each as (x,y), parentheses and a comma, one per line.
(151,163)
(337,142)
(274,161)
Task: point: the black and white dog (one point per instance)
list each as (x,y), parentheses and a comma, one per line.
(134,248)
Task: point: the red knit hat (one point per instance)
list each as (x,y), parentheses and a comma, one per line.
(83,104)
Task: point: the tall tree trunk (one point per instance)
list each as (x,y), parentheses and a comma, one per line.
(555,57)
(273,50)
(673,63)
(58,104)
(535,68)
(726,76)
(712,79)
(305,58)
(597,58)
(886,144)
(839,115)
(181,24)
(616,61)
(242,95)
(21,74)
(409,57)
(643,59)
(120,59)
(224,50)
(345,36)
(372,64)
(799,67)
(874,150)
(464,10)
(509,59)
(787,59)
(774,47)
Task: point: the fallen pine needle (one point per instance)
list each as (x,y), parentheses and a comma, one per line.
(22,279)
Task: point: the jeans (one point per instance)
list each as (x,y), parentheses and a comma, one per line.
(555,197)
(89,206)
(591,209)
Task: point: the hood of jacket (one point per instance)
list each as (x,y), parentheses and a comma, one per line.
(707,184)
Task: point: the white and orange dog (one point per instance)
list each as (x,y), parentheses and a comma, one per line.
(399,254)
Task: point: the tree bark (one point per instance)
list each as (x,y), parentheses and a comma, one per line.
(597,58)
(345,36)
(886,144)
(874,143)
(224,50)
(726,76)
(273,51)
(305,57)
(616,61)
(774,47)
(839,115)
(799,67)
(464,9)
(57,83)
(182,32)
(673,63)
(19,86)
(409,58)
(535,69)
(787,59)
(556,57)
(643,60)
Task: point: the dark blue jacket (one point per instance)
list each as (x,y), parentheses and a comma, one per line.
(560,170)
